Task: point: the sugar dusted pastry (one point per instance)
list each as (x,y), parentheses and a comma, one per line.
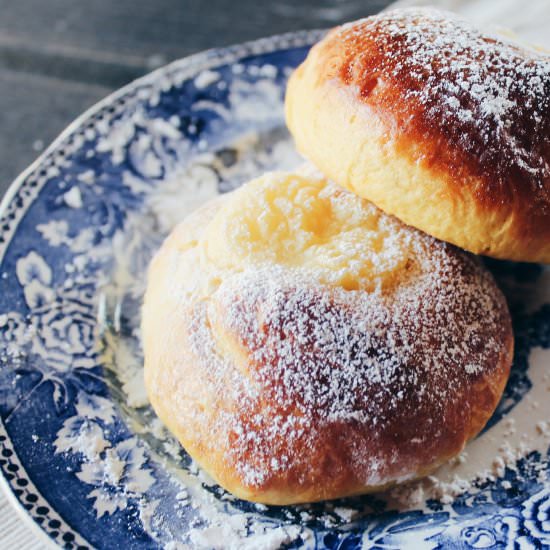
(436,122)
(303,345)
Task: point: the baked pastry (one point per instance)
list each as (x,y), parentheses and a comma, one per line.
(303,345)
(438,123)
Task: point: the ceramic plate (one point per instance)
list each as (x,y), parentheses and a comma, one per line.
(80,450)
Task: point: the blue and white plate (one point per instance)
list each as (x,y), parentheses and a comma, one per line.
(80,450)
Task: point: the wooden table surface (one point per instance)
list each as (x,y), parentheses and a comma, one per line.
(59,57)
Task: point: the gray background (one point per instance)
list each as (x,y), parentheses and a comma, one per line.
(58,57)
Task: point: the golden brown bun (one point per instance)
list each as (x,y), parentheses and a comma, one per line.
(435,122)
(303,345)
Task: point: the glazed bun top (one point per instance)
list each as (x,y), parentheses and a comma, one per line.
(469,107)
(446,80)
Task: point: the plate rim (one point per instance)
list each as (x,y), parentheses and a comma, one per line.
(202,60)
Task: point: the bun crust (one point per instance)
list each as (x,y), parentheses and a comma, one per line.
(313,374)
(435,122)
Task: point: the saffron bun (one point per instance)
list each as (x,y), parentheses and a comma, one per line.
(303,345)
(438,123)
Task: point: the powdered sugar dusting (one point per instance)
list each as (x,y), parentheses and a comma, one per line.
(485,92)
(292,363)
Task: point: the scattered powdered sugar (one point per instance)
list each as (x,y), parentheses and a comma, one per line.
(233,533)
(543,427)
(73,198)
(485,92)
(491,455)
(347,514)
(472,368)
